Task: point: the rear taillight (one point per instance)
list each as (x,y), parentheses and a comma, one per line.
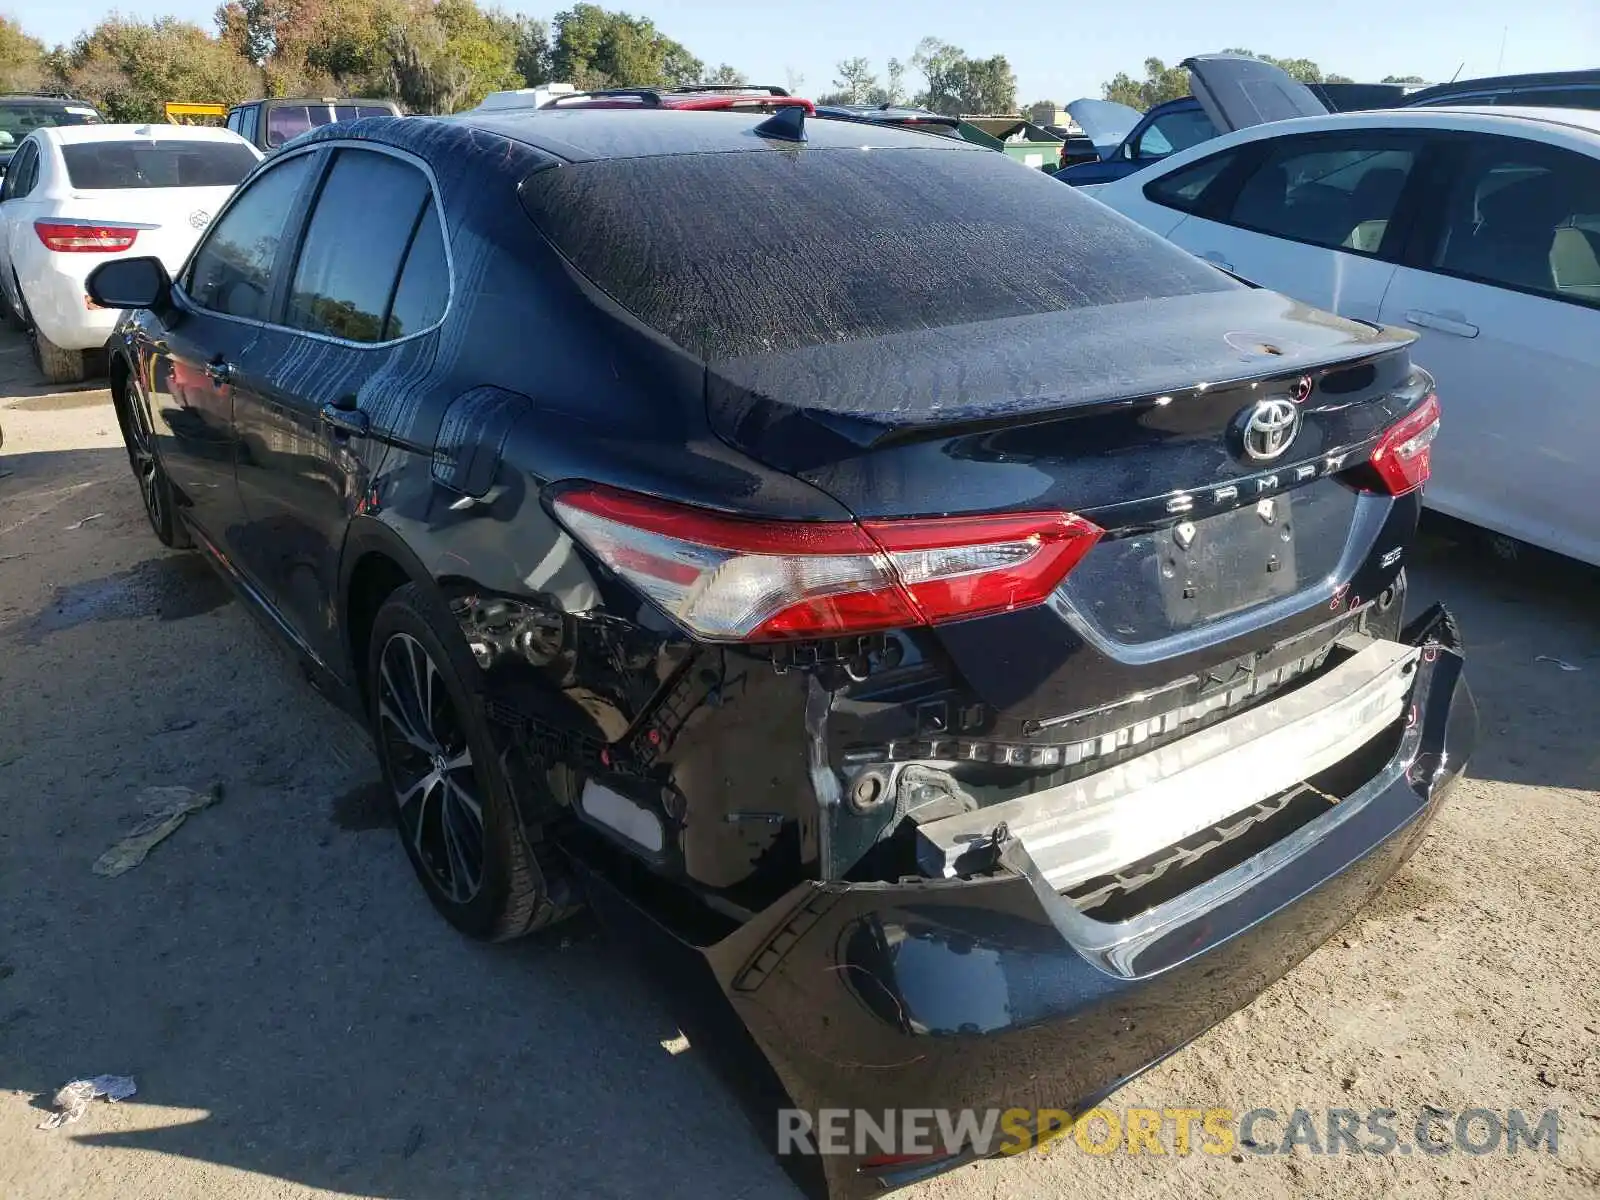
(730,579)
(69,238)
(1403,456)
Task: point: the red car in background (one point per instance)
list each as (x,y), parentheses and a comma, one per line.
(702,96)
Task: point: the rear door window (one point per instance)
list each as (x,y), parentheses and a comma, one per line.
(735,254)
(350,261)
(232,269)
(1525,216)
(147,163)
(1334,192)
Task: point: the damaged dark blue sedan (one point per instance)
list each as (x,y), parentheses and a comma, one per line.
(953,634)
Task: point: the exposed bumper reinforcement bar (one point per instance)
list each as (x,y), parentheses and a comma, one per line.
(1094,825)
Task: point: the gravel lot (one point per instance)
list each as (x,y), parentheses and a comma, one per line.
(301,1024)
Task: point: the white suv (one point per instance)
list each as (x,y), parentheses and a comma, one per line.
(76,194)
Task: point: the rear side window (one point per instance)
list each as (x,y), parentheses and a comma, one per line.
(286,121)
(735,254)
(1338,193)
(142,163)
(232,270)
(354,247)
(424,287)
(354,112)
(1184,187)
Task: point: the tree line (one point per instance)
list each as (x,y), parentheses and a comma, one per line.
(438,56)
(431,55)
(1162,83)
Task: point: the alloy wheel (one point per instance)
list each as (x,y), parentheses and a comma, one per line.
(146,469)
(438,797)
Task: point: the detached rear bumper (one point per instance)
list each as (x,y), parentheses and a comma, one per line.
(995,992)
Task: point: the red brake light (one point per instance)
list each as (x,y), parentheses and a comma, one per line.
(69,238)
(731,579)
(1403,456)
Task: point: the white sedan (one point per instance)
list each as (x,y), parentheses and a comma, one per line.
(1480,229)
(77,194)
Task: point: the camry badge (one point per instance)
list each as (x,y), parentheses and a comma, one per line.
(1269,427)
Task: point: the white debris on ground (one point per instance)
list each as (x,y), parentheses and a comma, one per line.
(165,809)
(72,1101)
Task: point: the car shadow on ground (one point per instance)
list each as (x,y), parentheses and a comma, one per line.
(272,976)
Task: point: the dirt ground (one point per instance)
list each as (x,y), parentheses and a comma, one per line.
(301,1024)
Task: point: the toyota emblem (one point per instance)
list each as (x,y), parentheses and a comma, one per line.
(199,218)
(1269,427)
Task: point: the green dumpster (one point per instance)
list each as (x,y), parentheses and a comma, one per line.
(1031,145)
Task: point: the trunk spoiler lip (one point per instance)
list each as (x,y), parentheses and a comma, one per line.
(960,379)
(867,434)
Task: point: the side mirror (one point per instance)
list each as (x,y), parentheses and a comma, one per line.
(130,283)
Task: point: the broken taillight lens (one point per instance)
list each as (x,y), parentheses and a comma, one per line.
(68,238)
(733,579)
(1403,456)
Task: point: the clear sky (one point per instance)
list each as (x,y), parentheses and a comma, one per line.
(1062,50)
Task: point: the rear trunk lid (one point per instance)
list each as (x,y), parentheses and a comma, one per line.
(170,220)
(1115,401)
(1136,417)
(1238,92)
(1106,122)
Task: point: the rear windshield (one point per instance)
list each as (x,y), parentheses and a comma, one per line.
(20,118)
(142,163)
(746,253)
(285,121)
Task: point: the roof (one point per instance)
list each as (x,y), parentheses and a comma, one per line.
(68,135)
(1500,82)
(1497,119)
(582,135)
(369,100)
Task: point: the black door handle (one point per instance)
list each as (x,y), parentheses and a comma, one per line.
(351,422)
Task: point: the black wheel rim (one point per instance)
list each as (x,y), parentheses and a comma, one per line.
(438,799)
(142,454)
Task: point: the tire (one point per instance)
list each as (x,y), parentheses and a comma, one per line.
(13,319)
(453,776)
(55,364)
(160,498)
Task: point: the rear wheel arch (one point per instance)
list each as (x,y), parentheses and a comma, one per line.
(118,373)
(376,563)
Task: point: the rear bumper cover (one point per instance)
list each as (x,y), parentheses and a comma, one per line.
(56,302)
(994,992)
